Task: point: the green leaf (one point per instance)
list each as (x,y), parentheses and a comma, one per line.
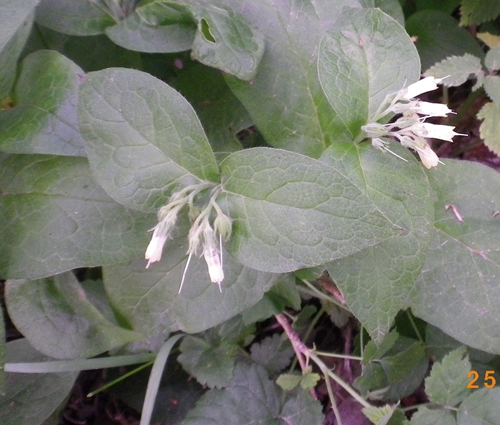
(397,368)
(447,383)
(44,117)
(59,321)
(210,364)
(16,18)
(32,398)
(288,382)
(425,416)
(154,27)
(385,415)
(75,17)
(249,398)
(482,407)
(456,69)
(367,56)
(477,11)
(492,59)
(224,40)
(150,302)
(309,381)
(438,36)
(301,409)
(457,289)
(273,353)
(490,127)
(252,398)
(56,218)
(285,98)
(492,87)
(291,211)
(143,138)
(376,281)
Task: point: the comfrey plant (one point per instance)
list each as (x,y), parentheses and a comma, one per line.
(411,130)
(201,234)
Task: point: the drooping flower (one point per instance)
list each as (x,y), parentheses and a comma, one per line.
(410,129)
(421,86)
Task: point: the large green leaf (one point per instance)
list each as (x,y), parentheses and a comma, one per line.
(44,117)
(16,18)
(150,302)
(458,288)
(285,98)
(291,211)
(143,138)
(365,57)
(75,17)
(31,398)
(375,282)
(155,27)
(54,217)
(251,398)
(57,318)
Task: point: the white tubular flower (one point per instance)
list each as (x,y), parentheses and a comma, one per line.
(427,109)
(155,248)
(434,131)
(428,157)
(422,86)
(167,217)
(213,257)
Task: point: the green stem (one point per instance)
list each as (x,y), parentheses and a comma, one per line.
(410,317)
(339,356)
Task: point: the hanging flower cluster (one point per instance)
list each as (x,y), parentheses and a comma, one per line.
(410,129)
(202,235)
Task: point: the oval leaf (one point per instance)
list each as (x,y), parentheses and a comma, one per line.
(457,290)
(291,211)
(367,56)
(59,321)
(44,117)
(54,217)
(376,281)
(143,138)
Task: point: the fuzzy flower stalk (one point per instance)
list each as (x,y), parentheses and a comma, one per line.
(410,129)
(205,235)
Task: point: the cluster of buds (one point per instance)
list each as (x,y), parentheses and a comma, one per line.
(202,235)
(410,129)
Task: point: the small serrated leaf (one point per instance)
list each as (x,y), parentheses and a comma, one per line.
(491,40)
(309,381)
(456,69)
(273,353)
(425,416)
(288,381)
(490,127)
(474,12)
(482,407)
(385,415)
(211,365)
(492,59)
(492,87)
(447,382)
